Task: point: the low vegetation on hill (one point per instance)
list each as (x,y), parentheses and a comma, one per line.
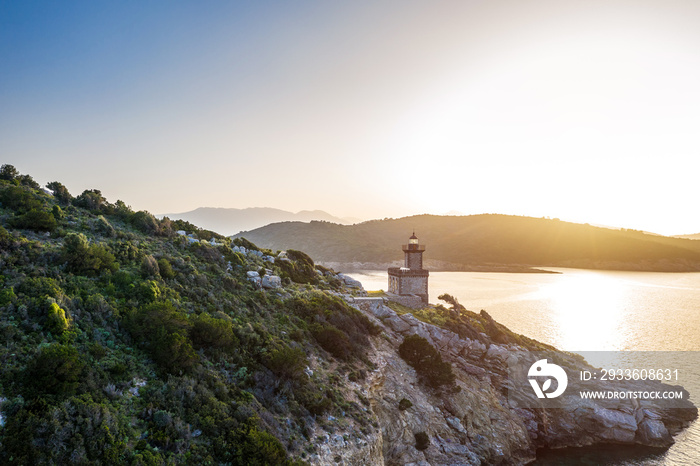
(482,240)
(126,342)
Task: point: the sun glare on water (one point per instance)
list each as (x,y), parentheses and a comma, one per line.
(588,312)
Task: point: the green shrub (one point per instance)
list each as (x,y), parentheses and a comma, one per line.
(145,222)
(56,320)
(166,270)
(287,362)
(37,287)
(422,441)
(55,370)
(83,257)
(57,213)
(163,332)
(235,258)
(20,199)
(300,268)
(60,192)
(426,360)
(209,332)
(333,340)
(404,404)
(148,291)
(7,295)
(8,172)
(338,328)
(149,266)
(103,226)
(77,431)
(35,219)
(315,401)
(7,241)
(257,447)
(91,199)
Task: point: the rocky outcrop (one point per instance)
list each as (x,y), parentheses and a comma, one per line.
(271,281)
(349,281)
(477,422)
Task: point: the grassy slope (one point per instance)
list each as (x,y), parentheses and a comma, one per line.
(485,239)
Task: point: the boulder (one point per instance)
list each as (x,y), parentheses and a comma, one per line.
(456,424)
(349,281)
(271,281)
(411,320)
(653,432)
(397,324)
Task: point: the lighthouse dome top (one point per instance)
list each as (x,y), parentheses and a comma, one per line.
(413,239)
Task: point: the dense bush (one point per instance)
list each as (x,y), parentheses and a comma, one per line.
(19,199)
(60,192)
(149,266)
(340,329)
(7,241)
(287,362)
(422,441)
(404,404)
(83,257)
(333,340)
(56,320)
(209,332)
(165,269)
(426,360)
(299,268)
(257,447)
(78,431)
(103,226)
(55,370)
(91,199)
(8,172)
(145,222)
(36,287)
(35,219)
(163,332)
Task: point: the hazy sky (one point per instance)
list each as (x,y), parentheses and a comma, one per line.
(584,110)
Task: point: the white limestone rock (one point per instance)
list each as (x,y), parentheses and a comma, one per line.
(271,281)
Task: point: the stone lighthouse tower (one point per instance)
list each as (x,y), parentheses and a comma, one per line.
(408,285)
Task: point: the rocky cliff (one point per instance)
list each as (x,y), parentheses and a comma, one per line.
(476,423)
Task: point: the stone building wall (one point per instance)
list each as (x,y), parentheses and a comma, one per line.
(414,260)
(412,301)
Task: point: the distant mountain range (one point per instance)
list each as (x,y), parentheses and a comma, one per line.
(488,240)
(228,221)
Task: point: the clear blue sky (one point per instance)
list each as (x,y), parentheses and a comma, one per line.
(586,111)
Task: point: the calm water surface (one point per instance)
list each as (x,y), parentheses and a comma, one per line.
(583,310)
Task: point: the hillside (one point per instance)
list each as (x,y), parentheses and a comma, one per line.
(126,342)
(454,242)
(693,236)
(230,221)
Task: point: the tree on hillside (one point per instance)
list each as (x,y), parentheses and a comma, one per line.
(60,192)
(426,360)
(452,301)
(8,172)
